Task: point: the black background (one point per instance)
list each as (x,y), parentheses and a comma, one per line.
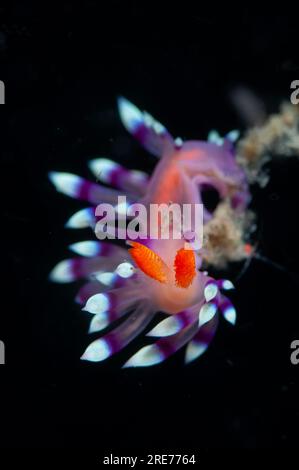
(63,67)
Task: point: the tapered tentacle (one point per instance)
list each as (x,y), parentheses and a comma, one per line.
(216,300)
(79,188)
(76,268)
(223,303)
(214,137)
(99,322)
(207,312)
(228,310)
(201,340)
(175,323)
(225,284)
(82,219)
(113,173)
(151,134)
(162,349)
(118,338)
(230,138)
(87,217)
(91,248)
(211,290)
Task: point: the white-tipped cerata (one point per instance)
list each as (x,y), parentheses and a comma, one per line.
(65,183)
(132,118)
(206,313)
(81,219)
(167,327)
(233,135)
(147,356)
(215,138)
(227,284)
(86,248)
(230,314)
(62,272)
(194,350)
(130,115)
(102,168)
(98,322)
(211,290)
(97,351)
(106,278)
(98,303)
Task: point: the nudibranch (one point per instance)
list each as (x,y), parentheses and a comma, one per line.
(130,286)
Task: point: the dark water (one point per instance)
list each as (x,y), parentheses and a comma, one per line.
(63,69)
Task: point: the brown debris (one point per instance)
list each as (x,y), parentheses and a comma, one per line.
(278,136)
(224,235)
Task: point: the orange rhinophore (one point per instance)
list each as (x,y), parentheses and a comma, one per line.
(148,261)
(185,268)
